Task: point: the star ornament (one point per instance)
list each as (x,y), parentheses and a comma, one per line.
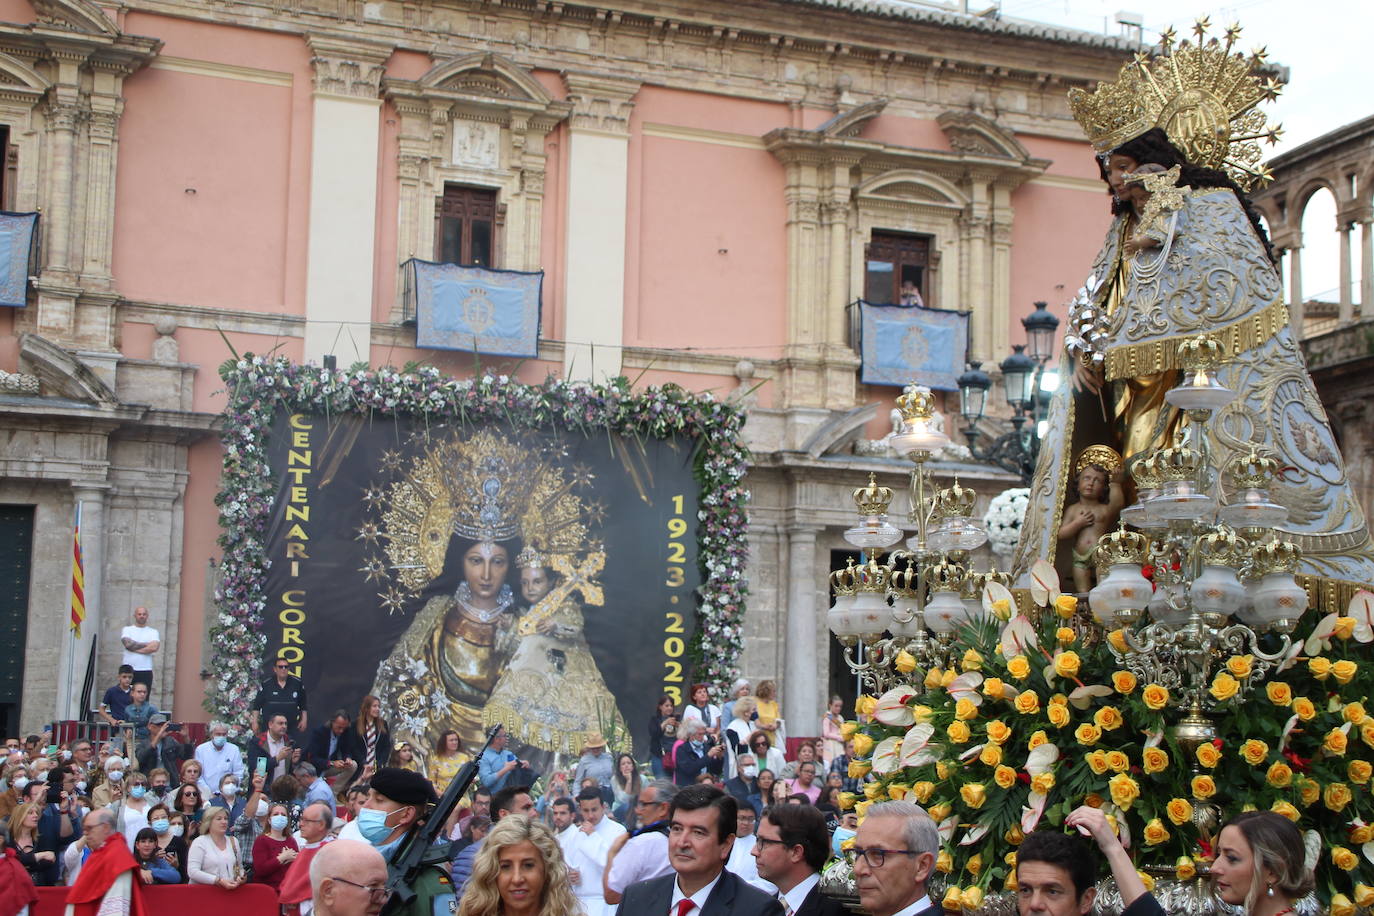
(393,600)
(374,569)
(368,533)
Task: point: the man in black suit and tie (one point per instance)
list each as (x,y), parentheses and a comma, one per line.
(791,845)
(701,833)
(893,855)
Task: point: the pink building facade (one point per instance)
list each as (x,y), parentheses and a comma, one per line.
(703,184)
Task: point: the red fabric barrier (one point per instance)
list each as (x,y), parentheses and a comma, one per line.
(201,899)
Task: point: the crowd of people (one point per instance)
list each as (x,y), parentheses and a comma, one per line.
(726,815)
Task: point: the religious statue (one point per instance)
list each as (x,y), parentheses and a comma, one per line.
(1097,505)
(1186,255)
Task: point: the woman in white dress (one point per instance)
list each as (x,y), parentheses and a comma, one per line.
(214,857)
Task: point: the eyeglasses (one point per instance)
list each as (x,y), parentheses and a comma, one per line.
(764,841)
(641,803)
(377,891)
(874,856)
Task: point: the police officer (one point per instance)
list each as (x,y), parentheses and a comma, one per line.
(397,804)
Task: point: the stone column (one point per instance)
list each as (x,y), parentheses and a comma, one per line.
(343,197)
(1347,305)
(1367,268)
(1295,311)
(76,652)
(598,188)
(801,695)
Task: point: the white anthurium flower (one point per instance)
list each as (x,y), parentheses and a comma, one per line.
(1041,759)
(892,706)
(916,745)
(1018,637)
(1294,653)
(885,755)
(1362,609)
(965,687)
(998,601)
(974,834)
(1154,738)
(1031,813)
(1044,583)
(1320,640)
(1082,697)
(947,828)
(972,752)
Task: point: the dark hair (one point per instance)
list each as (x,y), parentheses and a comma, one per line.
(1154,146)
(126,669)
(1073,854)
(501,800)
(440,745)
(565,802)
(699,796)
(475,823)
(1275,844)
(284,788)
(804,826)
(665,699)
(756,735)
(147,833)
(800,798)
(589,794)
(358,788)
(481,790)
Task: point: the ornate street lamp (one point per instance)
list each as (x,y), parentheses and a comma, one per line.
(1018,377)
(973,393)
(1040,326)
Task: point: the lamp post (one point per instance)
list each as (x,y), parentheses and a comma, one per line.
(1022,373)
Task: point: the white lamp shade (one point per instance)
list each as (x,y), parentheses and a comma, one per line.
(1217,591)
(1123,588)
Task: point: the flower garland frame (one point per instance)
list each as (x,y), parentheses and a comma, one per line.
(258,387)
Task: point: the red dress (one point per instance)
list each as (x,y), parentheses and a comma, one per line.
(267,869)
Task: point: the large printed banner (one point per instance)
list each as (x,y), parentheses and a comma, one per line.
(473,573)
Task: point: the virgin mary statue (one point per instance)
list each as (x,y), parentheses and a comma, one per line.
(1186,256)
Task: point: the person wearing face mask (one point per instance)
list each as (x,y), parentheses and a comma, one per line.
(746,782)
(217,758)
(275,850)
(397,803)
(131,810)
(112,789)
(170,831)
(164,749)
(16,778)
(251,822)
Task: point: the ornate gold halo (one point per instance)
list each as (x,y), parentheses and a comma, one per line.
(1103,455)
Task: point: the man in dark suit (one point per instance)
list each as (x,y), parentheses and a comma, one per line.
(699,753)
(893,856)
(791,845)
(333,749)
(701,833)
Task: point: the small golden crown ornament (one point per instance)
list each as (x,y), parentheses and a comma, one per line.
(1203,95)
(1276,556)
(1253,471)
(844,581)
(1101,455)
(1120,546)
(873,499)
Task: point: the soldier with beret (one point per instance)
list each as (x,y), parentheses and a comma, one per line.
(397,803)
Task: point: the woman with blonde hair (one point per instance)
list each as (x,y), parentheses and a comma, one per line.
(770,713)
(519,871)
(41,864)
(214,856)
(373,735)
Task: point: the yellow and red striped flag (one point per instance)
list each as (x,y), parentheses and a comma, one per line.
(78,577)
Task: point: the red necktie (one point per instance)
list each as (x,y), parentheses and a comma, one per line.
(685,906)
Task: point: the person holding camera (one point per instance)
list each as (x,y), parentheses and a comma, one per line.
(663,726)
(272,753)
(697,752)
(164,749)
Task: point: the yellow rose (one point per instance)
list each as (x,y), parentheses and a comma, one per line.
(1364,895)
(1155,696)
(1345,628)
(1280,775)
(1108,718)
(1087,734)
(1180,810)
(847,800)
(1124,790)
(1208,755)
(1309,791)
(947,677)
(1004,776)
(1341,906)
(922,713)
(861,808)
(848,730)
(1343,858)
(1335,742)
(971,898)
(1240,665)
(992,688)
(858,769)
(1118,762)
(897,790)
(1065,636)
(1362,834)
(1037,739)
(1287,810)
(1254,751)
(1014,836)
(862,744)
(1304,709)
(1066,606)
(1027,703)
(972,661)
(1097,762)
(958,732)
(1344,671)
(1224,686)
(904,662)
(1279,693)
(952,903)
(1155,759)
(973,794)
(872,790)
(939,812)
(944,862)
(1066,664)
(1359,771)
(922,791)
(1118,640)
(1336,797)
(1042,783)
(1010,884)
(1156,832)
(1124,681)
(965,710)
(1319,667)
(942,770)
(998,731)
(865,705)
(1367,733)
(1093,800)
(1059,714)
(1354,713)
(1001,608)
(1184,869)
(1018,667)
(1203,787)
(1146,880)
(932,678)
(991,755)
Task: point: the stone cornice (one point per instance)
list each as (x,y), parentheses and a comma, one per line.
(601,102)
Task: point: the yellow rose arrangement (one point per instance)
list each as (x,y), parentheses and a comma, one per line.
(1240,666)
(1208,755)
(998,731)
(1203,787)
(1027,702)
(1066,664)
(1155,696)
(1066,606)
(1124,682)
(1156,832)
(972,661)
(1344,671)
(1279,693)
(863,744)
(1341,905)
(1108,718)
(905,662)
(1254,752)
(1019,668)
(1065,636)
(1087,734)
(1224,686)
(1280,775)
(1364,895)
(965,709)
(1004,776)
(1179,810)
(1154,759)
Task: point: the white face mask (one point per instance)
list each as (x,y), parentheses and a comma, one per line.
(66,755)
(750,771)
(229,790)
(81,786)
(116,775)
(177,830)
(263,807)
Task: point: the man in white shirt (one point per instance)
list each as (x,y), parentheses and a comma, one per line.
(644,854)
(791,848)
(893,856)
(741,860)
(140,642)
(217,758)
(590,846)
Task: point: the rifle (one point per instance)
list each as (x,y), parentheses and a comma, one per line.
(405,867)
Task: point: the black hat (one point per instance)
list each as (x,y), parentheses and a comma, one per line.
(403,786)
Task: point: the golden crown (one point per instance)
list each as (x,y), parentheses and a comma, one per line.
(1120,546)
(1145,473)
(1252,471)
(1276,556)
(1203,94)
(1220,548)
(1101,455)
(1178,462)
(845,581)
(955,501)
(873,499)
(872,577)
(946,576)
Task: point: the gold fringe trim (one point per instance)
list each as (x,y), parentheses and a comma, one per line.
(1328,596)
(1136,360)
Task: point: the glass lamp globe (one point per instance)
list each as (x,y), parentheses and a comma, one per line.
(945,612)
(1122,591)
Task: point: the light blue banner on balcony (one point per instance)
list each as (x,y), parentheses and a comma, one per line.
(494,312)
(17,232)
(901,345)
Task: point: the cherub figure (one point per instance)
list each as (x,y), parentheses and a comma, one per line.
(1094,512)
(1154,193)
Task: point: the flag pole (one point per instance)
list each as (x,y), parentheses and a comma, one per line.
(77,608)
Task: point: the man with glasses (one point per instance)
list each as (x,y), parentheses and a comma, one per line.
(282,693)
(348,878)
(295,890)
(790,848)
(398,801)
(892,857)
(741,861)
(642,854)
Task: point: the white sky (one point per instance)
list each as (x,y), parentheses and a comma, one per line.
(1324,43)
